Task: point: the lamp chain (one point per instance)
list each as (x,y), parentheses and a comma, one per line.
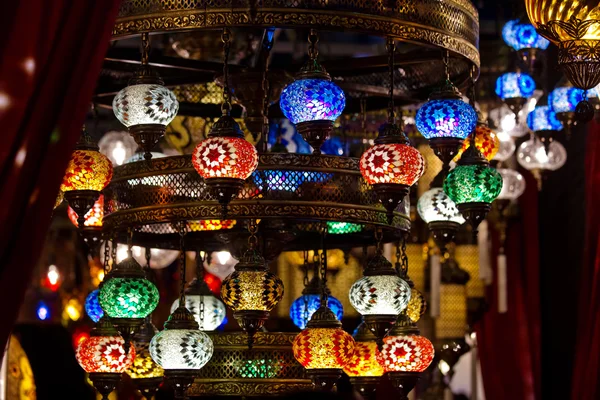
(324,296)
(226,38)
(148,257)
(182,231)
(145,47)
(472,102)
(313,40)
(363,113)
(446,60)
(378,240)
(113,252)
(305,281)
(200,278)
(404,256)
(129,242)
(391,48)
(106,257)
(398,264)
(253,229)
(266,89)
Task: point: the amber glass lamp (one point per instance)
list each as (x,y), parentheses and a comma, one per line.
(364,368)
(145,374)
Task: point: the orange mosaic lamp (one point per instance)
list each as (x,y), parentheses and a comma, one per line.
(405,354)
(323,348)
(364,368)
(92,227)
(486,141)
(145,373)
(87,174)
(104,358)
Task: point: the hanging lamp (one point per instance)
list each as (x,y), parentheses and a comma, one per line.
(380,295)
(305,306)
(545,124)
(87,174)
(145,374)
(392,166)
(91,231)
(515,89)
(563,100)
(92,306)
(181,349)
(473,184)
(323,348)
(251,291)
(364,369)
(446,120)
(145,106)
(104,357)
(313,102)
(225,159)
(525,40)
(208,310)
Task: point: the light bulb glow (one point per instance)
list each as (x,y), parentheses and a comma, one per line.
(513,184)
(223,257)
(53,275)
(532,155)
(43,312)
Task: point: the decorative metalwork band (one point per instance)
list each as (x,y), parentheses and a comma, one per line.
(452,24)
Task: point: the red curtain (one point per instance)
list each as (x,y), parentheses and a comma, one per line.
(51,53)
(509,343)
(586,371)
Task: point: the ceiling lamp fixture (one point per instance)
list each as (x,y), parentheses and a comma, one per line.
(145,106)
(532,156)
(181,349)
(575,29)
(364,368)
(313,102)
(323,348)
(88,173)
(92,306)
(145,374)
(127,296)
(380,295)
(104,357)
(544,123)
(225,159)
(515,88)
(207,309)
(563,100)
(473,184)
(392,166)
(446,120)
(405,355)
(251,291)
(305,306)
(523,38)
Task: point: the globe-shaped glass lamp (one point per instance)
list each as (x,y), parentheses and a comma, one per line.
(256,290)
(565,99)
(214,310)
(143,366)
(528,38)
(323,348)
(87,170)
(307,100)
(513,184)
(532,155)
(364,361)
(225,157)
(392,163)
(506,147)
(305,306)
(92,306)
(416,306)
(104,354)
(543,118)
(118,146)
(486,141)
(434,205)
(145,104)
(515,85)
(406,353)
(509,33)
(473,184)
(181,349)
(446,118)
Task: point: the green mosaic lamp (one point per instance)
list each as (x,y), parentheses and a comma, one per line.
(473,185)
(127,297)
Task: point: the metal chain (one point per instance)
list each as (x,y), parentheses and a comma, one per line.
(446,60)
(226,38)
(113,252)
(313,40)
(404,256)
(324,296)
(378,239)
(391,48)
(398,264)
(305,285)
(363,113)
(106,257)
(200,278)
(145,47)
(472,103)
(148,256)
(253,229)
(266,90)
(182,232)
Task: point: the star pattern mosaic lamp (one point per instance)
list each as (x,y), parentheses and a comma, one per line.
(523,37)
(312,101)
(544,123)
(515,88)
(564,100)
(440,214)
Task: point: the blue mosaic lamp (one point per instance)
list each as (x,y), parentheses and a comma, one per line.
(524,38)
(515,88)
(509,33)
(92,306)
(571,104)
(543,121)
(528,38)
(446,120)
(313,102)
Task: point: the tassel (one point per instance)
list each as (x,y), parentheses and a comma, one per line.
(435,279)
(502,293)
(485,268)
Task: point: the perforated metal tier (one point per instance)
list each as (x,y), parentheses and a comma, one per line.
(292,194)
(268,369)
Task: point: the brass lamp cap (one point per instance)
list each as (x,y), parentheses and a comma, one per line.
(379,265)
(104,327)
(199,288)
(313,70)
(128,268)
(364,334)
(251,261)
(323,318)
(226,127)
(181,318)
(404,326)
(391,134)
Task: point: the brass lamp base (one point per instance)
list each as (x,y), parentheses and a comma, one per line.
(105,383)
(474,213)
(391,195)
(379,325)
(404,382)
(445,148)
(181,380)
(443,232)
(81,201)
(147,136)
(148,386)
(224,190)
(315,133)
(366,386)
(324,380)
(251,321)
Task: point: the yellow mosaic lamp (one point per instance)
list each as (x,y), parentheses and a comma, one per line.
(364,368)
